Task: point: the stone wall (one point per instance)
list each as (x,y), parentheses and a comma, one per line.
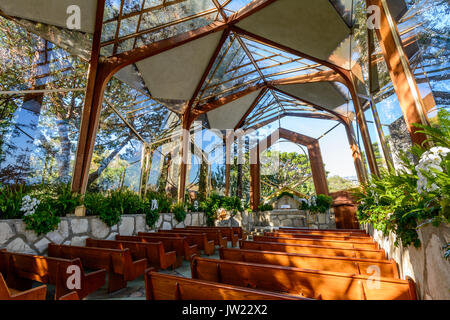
(426,265)
(296,218)
(282,218)
(74,230)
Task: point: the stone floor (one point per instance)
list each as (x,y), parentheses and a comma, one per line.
(135,289)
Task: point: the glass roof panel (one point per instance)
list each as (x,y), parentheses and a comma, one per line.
(231,71)
(133,23)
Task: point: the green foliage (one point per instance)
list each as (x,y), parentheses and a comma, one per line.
(317,204)
(265,207)
(164,200)
(215,202)
(179,212)
(99,204)
(403,201)
(285,193)
(43,220)
(11,201)
(64,200)
(323,203)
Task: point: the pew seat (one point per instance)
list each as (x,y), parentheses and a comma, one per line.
(307,283)
(23,269)
(226,231)
(317,242)
(118,263)
(305,235)
(200,239)
(215,235)
(387,268)
(160,286)
(173,243)
(7,293)
(313,249)
(154,252)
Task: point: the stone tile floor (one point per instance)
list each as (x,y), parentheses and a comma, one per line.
(135,289)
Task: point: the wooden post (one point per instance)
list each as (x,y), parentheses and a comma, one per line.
(317,169)
(361,119)
(97,80)
(255,187)
(404,83)
(356,153)
(229,138)
(184,145)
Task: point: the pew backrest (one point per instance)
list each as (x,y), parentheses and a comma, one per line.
(168,287)
(304,235)
(313,249)
(318,242)
(386,268)
(308,283)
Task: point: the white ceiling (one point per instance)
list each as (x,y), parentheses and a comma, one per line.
(176,73)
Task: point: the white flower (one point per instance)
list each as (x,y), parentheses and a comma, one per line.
(29,205)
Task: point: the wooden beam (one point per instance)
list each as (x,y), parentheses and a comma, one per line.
(315,158)
(90,117)
(399,68)
(361,119)
(251,108)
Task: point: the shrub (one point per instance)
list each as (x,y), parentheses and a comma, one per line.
(64,200)
(98,204)
(11,202)
(317,204)
(403,201)
(164,201)
(43,220)
(179,212)
(265,207)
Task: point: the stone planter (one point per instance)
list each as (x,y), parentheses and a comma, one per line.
(426,265)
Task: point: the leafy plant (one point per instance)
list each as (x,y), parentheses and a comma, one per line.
(64,201)
(164,201)
(179,212)
(323,203)
(416,195)
(98,204)
(43,220)
(265,207)
(11,201)
(317,204)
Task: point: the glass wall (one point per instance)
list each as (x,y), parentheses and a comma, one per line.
(41,97)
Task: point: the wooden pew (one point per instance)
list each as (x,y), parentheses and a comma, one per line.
(319,237)
(315,242)
(154,252)
(332,234)
(179,245)
(23,269)
(118,263)
(356,232)
(160,286)
(310,249)
(200,239)
(215,235)
(307,283)
(7,293)
(387,268)
(226,231)
(70,296)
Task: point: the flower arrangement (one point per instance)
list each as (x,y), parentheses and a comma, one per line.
(29,205)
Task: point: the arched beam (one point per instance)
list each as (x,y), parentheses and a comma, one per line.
(315,159)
